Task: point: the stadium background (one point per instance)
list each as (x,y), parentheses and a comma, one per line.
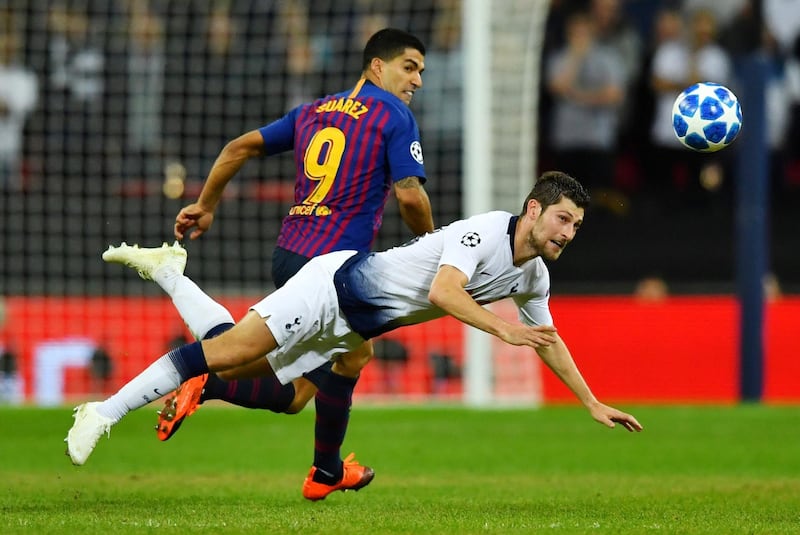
(135,99)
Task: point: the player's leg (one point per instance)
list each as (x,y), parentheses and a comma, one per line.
(249,340)
(206,319)
(333,401)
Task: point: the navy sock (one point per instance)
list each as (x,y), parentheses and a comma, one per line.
(217,330)
(189,360)
(320,375)
(333,401)
(259,393)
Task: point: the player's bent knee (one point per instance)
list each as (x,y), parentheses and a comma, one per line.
(247,341)
(350,364)
(304,390)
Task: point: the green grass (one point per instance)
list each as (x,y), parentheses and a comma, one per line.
(693,470)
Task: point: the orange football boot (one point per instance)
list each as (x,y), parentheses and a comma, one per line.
(180,404)
(355,476)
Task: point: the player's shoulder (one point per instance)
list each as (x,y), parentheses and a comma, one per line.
(484,228)
(495,219)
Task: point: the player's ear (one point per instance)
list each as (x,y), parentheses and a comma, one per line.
(376,66)
(534,208)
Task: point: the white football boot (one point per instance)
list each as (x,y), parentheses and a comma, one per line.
(89,426)
(148,260)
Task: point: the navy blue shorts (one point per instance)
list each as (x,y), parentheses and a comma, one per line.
(285,264)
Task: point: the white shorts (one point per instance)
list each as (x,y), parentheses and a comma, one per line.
(305,319)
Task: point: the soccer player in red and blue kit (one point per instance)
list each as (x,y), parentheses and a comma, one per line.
(351,149)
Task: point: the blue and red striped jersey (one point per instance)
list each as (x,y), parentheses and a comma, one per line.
(348,148)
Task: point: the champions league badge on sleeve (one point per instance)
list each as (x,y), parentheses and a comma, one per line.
(471,239)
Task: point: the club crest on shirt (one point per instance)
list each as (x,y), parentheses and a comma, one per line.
(416,151)
(471,239)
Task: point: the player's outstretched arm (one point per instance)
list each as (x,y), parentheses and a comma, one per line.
(448,293)
(558,358)
(231,158)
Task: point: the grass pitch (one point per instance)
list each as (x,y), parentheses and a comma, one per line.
(693,470)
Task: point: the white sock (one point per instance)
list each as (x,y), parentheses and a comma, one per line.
(198,310)
(157,380)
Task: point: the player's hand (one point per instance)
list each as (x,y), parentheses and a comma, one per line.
(193,216)
(535,337)
(609,416)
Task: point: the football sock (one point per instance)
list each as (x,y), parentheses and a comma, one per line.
(160,378)
(333,401)
(198,310)
(259,393)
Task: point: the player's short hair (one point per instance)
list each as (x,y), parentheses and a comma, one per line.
(389,43)
(552,186)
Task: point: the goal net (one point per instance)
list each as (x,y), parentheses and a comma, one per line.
(112,113)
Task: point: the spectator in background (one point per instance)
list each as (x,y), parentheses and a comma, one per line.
(651,288)
(214,88)
(146,61)
(689,178)
(73,105)
(613,30)
(18,98)
(587,81)
(782,19)
(303,59)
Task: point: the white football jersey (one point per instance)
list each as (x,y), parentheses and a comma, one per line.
(379,292)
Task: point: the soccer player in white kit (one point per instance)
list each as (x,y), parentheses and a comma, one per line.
(339,300)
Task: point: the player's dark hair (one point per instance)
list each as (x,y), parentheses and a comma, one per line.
(389,43)
(552,186)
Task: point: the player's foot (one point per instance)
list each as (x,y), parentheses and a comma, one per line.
(89,426)
(147,260)
(180,404)
(355,476)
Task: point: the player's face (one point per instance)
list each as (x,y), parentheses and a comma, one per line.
(402,75)
(555,227)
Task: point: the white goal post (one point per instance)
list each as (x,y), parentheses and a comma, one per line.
(503,42)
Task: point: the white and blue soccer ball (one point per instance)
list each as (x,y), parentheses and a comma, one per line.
(706,117)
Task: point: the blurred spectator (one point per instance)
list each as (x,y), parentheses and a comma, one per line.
(18,98)
(146,61)
(587,83)
(440,104)
(723,11)
(651,288)
(303,60)
(73,102)
(676,173)
(613,30)
(216,85)
(743,33)
(782,19)
(772,287)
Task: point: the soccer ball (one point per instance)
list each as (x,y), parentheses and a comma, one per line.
(706,117)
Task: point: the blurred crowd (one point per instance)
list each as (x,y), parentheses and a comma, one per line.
(144,82)
(613,70)
(96,92)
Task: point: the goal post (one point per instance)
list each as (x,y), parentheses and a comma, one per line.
(503,43)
